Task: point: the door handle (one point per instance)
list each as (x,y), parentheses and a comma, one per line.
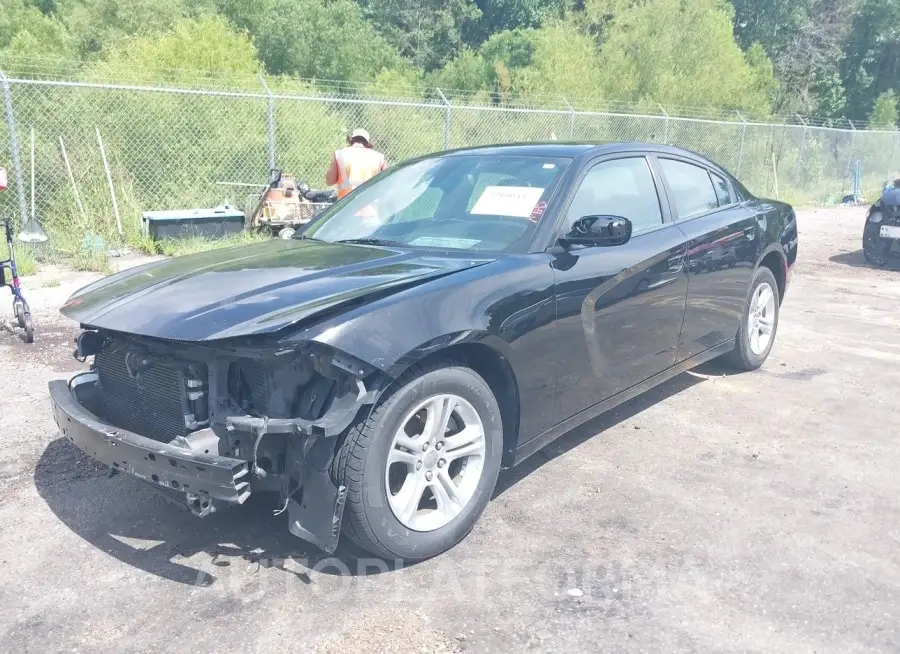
(676,264)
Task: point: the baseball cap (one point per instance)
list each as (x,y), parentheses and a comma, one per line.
(361,133)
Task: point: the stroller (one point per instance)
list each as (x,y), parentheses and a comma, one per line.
(31,232)
(20,305)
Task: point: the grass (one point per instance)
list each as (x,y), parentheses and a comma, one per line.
(26,261)
(194,244)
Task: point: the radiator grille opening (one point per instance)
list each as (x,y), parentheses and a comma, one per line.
(247,385)
(154,409)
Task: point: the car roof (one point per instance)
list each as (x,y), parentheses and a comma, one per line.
(573,149)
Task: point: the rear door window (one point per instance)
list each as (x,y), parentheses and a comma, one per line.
(723,193)
(691,188)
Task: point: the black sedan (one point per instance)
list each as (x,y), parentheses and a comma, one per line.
(445,320)
(881,233)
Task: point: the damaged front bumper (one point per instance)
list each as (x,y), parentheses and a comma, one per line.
(192,468)
(197,475)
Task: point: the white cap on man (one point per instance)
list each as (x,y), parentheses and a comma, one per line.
(359,132)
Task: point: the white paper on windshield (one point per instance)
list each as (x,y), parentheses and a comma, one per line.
(512,201)
(438,242)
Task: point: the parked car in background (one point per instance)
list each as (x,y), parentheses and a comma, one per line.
(881,233)
(447,319)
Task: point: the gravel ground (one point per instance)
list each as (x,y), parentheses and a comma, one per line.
(728,513)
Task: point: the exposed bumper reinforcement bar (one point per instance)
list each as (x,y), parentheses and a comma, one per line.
(214,477)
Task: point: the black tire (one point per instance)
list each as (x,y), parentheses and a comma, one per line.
(875,248)
(742,356)
(28,327)
(360,464)
(19,310)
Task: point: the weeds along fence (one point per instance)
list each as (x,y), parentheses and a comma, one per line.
(172,146)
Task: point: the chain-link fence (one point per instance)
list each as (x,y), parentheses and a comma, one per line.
(185,147)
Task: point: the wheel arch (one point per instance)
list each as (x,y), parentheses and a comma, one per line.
(773,258)
(876,207)
(487,358)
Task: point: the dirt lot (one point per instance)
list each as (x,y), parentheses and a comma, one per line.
(733,513)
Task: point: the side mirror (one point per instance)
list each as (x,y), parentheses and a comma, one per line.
(274,176)
(599,230)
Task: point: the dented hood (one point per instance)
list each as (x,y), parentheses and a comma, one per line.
(252,289)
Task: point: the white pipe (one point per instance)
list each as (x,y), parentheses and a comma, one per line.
(775,172)
(62,147)
(112,190)
(32,173)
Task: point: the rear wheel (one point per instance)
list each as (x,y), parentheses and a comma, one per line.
(758,324)
(421,468)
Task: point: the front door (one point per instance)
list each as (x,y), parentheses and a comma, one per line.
(620,308)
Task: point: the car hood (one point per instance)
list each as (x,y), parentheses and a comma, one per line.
(252,289)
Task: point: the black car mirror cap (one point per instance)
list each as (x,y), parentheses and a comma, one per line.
(599,230)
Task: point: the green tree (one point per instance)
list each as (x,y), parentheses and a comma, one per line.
(886,112)
(771,23)
(98,24)
(315,39)
(871,62)
(204,44)
(681,53)
(468,72)
(26,32)
(502,15)
(564,63)
(805,40)
(426,32)
(553,61)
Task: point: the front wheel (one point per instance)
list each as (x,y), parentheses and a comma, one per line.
(28,326)
(421,468)
(20,311)
(759,323)
(875,248)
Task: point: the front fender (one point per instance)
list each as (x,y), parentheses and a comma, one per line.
(508,306)
(877,206)
(434,345)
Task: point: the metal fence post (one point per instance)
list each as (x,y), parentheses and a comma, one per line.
(852,146)
(800,151)
(270,122)
(666,127)
(895,153)
(447,118)
(14,147)
(741,151)
(571,118)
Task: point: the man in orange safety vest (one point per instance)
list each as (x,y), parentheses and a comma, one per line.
(354,164)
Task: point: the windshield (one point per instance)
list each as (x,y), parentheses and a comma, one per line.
(463,202)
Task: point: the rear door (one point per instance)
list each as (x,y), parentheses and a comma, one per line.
(722,238)
(619,309)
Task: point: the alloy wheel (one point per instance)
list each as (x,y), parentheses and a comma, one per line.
(435,462)
(761,319)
